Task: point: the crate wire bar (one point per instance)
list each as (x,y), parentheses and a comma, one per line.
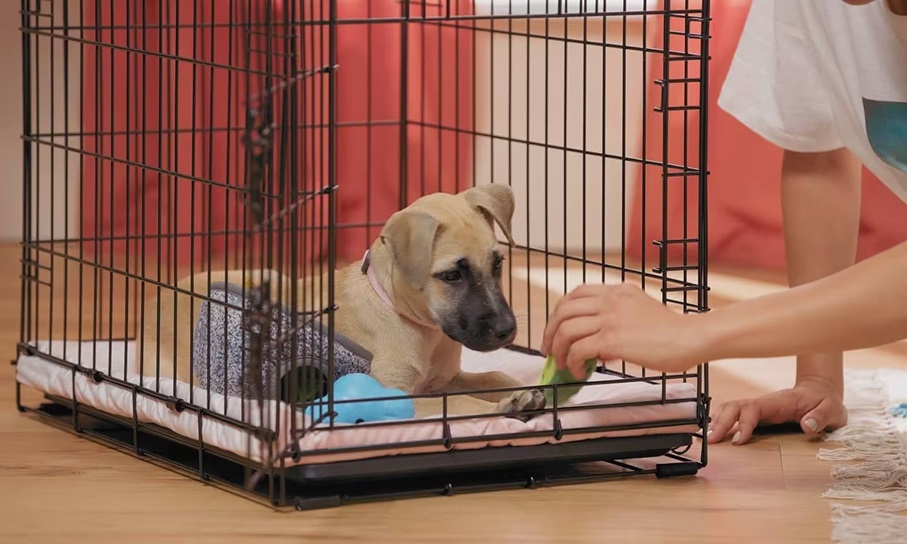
(171,139)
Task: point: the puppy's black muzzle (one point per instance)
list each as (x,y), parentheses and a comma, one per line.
(485,323)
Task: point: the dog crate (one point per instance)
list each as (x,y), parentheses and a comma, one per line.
(165,140)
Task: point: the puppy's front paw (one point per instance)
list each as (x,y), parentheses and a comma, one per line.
(522,404)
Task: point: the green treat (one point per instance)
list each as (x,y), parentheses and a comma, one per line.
(551,375)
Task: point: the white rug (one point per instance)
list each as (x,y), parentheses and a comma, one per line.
(870,490)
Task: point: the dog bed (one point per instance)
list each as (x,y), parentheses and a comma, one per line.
(344,442)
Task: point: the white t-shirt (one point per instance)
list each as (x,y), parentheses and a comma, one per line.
(811,75)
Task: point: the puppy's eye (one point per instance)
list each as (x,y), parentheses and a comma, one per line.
(451,276)
(498,264)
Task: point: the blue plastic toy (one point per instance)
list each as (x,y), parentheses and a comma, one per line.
(900,410)
(359,386)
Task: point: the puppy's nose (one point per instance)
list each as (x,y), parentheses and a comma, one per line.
(504,328)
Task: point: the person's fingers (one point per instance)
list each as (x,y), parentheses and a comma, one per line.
(569,333)
(589,290)
(723,420)
(827,414)
(564,311)
(838,416)
(590,347)
(746,423)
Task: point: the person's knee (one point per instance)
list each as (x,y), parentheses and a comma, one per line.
(835,160)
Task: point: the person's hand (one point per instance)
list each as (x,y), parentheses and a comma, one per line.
(611,322)
(813,404)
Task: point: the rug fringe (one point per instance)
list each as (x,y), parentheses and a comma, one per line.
(871,437)
(859,524)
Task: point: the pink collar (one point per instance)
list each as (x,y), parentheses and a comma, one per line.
(379,290)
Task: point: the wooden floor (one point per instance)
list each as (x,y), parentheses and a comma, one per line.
(55,487)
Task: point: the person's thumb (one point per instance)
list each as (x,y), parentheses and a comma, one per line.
(828,414)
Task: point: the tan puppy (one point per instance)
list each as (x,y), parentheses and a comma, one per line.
(430,284)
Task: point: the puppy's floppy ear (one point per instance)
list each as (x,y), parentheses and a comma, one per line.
(496,202)
(410,235)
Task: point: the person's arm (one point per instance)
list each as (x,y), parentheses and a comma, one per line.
(821,207)
(862,306)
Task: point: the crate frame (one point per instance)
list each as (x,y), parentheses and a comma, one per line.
(387,477)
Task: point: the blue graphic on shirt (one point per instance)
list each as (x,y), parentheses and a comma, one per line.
(886,128)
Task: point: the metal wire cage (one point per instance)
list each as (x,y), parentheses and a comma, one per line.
(166,142)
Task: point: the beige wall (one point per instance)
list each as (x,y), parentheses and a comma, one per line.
(504,103)
(10,123)
(49,179)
